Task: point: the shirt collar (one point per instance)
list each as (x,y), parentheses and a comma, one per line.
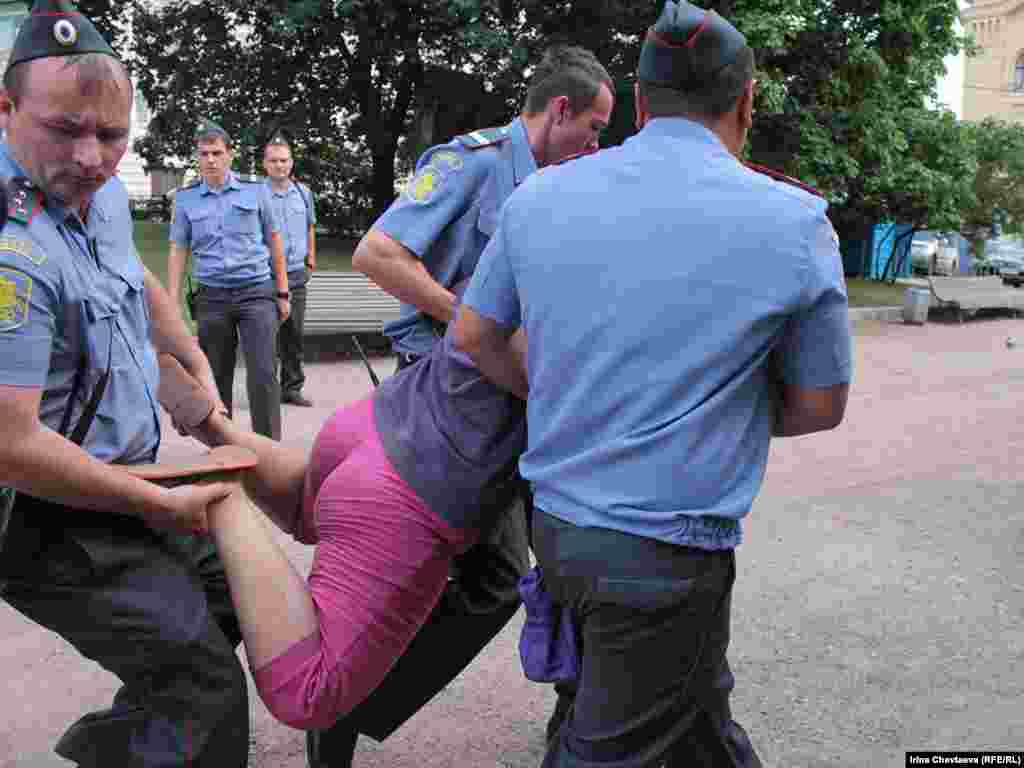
(292,187)
(230,182)
(681,128)
(523,161)
(10,168)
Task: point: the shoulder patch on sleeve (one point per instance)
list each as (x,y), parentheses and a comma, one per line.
(15,291)
(424,184)
(22,247)
(485,137)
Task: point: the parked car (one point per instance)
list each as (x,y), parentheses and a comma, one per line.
(932,254)
(156,208)
(1007,259)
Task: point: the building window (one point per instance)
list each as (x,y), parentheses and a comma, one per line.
(1018,74)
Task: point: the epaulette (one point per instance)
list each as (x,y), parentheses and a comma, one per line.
(485,137)
(783,178)
(26,201)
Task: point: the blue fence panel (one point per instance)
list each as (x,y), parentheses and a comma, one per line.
(884,239)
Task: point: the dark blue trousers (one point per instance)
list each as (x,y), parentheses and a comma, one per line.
(247,314)
(291,344)
(652,623)
(154,610)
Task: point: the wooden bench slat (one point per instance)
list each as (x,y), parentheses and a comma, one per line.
(973,293)
(347,302)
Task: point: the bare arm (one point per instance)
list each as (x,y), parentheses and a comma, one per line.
(279,268)
(498,353)
(397,270)
(311,256)
(177,257)
(170,334)
(803,411)
(39,462)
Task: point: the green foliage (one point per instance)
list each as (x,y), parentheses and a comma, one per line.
(841,101)
(346,78)
(998,185)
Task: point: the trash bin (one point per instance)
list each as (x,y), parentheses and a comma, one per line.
(915,305)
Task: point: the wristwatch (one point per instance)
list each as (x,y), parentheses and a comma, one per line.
(282,294)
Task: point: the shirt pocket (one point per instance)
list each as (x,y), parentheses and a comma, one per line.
(295,211)
(204,225)
(243,219)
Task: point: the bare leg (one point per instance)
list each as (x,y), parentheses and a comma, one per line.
(273,604)
(276,485)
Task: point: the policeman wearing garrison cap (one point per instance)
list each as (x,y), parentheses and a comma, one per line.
(681,309)
(426,242)
(107,561)
(230,228)
(296,210)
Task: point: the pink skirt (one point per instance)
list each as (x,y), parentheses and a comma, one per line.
(380,566)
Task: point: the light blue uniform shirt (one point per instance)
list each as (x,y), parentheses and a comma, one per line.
(295,213)
(653,280)
(448,212)
(68,292)
(227,230)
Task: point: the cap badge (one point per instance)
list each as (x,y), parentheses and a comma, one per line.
(64,32)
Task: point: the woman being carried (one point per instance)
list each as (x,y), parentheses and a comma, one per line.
(383,496)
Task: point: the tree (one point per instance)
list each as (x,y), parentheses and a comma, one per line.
(844,88)
(343,76)
(842,84)
(998,184)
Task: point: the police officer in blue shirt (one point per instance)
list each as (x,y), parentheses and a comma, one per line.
(681,309)
(427,241)
(230,227)
(107,561)
(296,212)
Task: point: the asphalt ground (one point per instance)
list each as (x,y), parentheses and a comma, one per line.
(878,606)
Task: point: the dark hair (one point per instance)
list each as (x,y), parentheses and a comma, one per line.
(210,133)
(92,68)
(566,70)
(713,100)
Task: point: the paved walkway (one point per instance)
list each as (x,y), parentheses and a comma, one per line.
(879,605)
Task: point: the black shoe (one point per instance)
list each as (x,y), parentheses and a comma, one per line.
(296,398)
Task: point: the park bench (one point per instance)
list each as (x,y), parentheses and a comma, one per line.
(966,295)
(346,302)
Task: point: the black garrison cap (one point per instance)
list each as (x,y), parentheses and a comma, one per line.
(56,28)
(688,47)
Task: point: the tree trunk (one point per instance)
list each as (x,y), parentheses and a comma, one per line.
(382,183)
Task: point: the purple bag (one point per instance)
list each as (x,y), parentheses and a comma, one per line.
(547,645)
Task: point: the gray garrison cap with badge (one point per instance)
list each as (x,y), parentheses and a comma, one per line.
(56,28)
(688,47)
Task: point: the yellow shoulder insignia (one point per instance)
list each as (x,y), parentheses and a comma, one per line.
(15,292)
(424,184)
